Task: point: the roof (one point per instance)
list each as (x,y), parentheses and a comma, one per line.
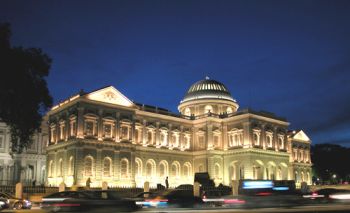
(208,89)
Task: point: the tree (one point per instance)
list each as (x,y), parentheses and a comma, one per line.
(24,95)
(330,161)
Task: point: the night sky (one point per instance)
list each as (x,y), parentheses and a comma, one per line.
(291,58)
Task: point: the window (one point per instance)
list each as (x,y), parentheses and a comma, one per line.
(217,170)
(71,166)
(175,169)
(162,169)
(138,167)
(89,128)
(137,135)
(229,110)
(150,137)
(60,168)
(2,145)
(107,130)
(256,139)
(73,127)
(149,169)
(280,143)
(125,132)
(200,168)
(51,168)
(208,108)
(269,140)
(88,166)
(124,168)
(107,167)
(188,111)
(188,142)
(216,141)
(187,170)
(201,142)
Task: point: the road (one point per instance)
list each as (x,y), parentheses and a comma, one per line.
(308,208)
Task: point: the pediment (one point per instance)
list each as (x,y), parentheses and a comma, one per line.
(301,136)
(110,95)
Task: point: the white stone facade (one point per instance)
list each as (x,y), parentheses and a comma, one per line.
(27,166)
(104,136)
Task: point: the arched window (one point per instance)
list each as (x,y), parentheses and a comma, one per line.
(256,139)
(217,170)
(150,168)
(280,143)
(229,110)
(51,168)
(138,167)
(269,140)
(124,168)
(208,108)
(60,168)
(163,169)
(88,163)
(187,170)
(175,169)
(107,167)
(71,166)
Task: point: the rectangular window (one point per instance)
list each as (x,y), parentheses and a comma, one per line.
(108,131)
(89,128)
(2,141)
(201,141)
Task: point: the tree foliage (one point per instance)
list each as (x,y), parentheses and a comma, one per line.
(329,160)
(24,95)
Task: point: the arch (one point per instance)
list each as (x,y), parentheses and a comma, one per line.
(187,170)
(138,167)
(60,168)
(200,168)
(208,109)
(217,170)
(175,169)
(124,168)
(187,111)
(229,110)
(71,165)
(51,168)
(88,165)
(163,169)
(150,168)
(107,167)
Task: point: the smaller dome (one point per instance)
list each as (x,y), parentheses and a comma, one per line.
(208,89)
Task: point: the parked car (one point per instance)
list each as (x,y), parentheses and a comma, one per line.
(4,203)
(16,203)
(82,201)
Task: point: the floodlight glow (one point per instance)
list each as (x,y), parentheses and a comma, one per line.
(340,196)
(257,184)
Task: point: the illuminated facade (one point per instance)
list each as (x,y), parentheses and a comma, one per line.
(104,136)
(26,167)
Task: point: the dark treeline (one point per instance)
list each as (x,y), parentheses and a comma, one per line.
(330,163)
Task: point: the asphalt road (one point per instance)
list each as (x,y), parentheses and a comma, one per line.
(309,208)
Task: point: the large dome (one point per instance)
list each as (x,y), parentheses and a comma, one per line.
(208,89)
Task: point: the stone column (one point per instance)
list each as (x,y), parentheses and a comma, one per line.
(117,126)
(209,137)
(80,122)
(196,189)
(67,125)
(224,137)
(235,184)
(144,132)
(132,131)
(100,125)
(246,135)
(157,142)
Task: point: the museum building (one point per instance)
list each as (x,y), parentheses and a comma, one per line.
(104,136)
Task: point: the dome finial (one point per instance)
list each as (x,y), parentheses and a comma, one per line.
(206,78)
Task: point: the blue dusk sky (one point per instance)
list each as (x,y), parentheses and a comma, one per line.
(291,58)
